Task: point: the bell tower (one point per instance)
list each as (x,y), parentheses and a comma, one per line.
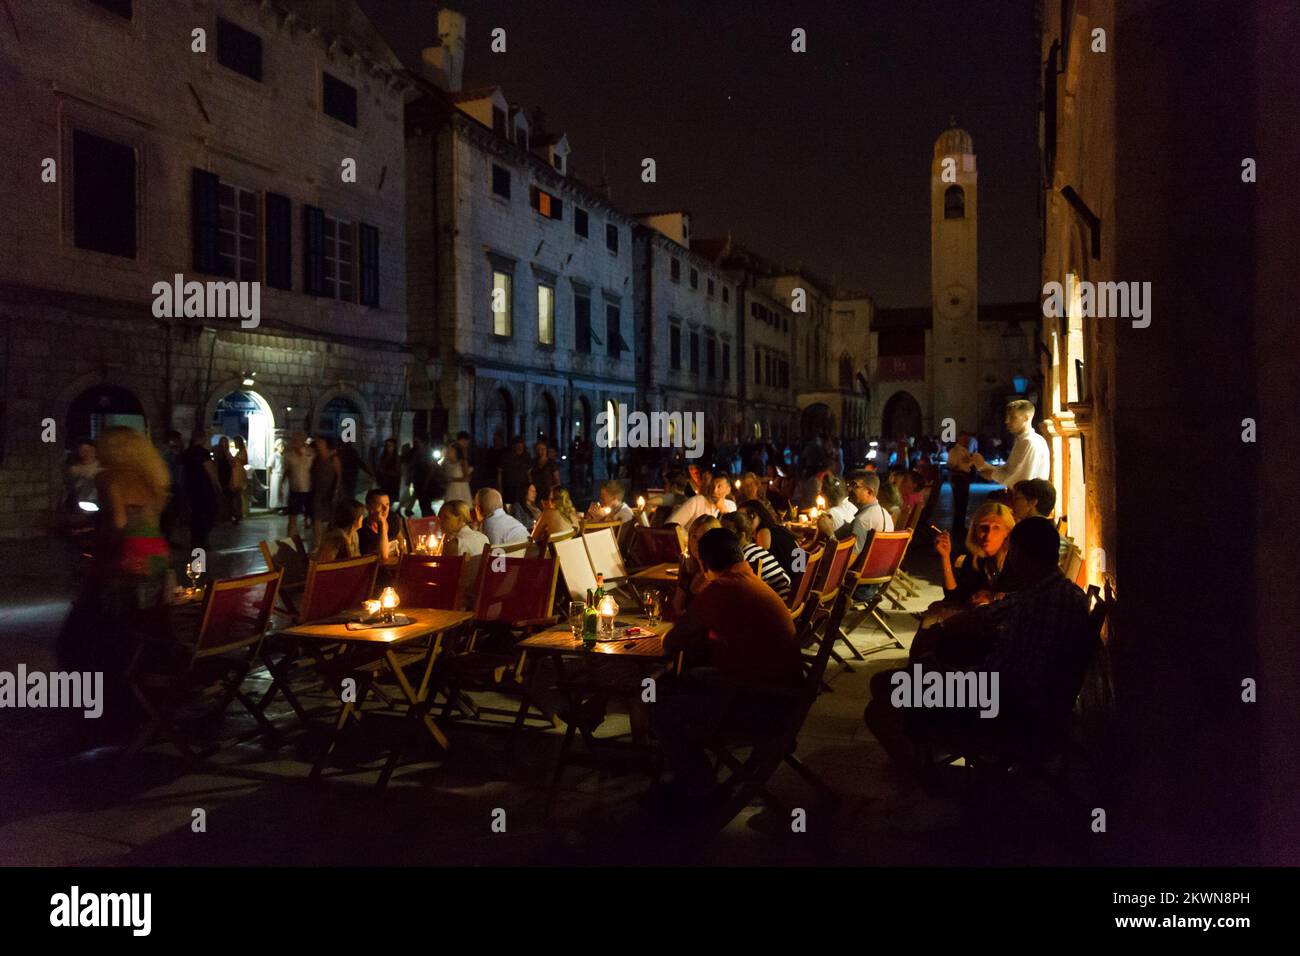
(954,281)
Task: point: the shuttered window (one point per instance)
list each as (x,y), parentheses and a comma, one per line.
(313,250)
(279,238)
(369,256)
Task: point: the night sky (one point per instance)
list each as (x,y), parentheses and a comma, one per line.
(819,158)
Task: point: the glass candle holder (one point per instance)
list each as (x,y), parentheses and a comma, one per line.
(608,611)
(388,601)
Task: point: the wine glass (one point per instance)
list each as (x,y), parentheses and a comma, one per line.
(651,605)
(192,572)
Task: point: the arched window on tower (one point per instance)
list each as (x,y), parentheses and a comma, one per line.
(954,203)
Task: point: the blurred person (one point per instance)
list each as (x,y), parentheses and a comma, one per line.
(610,506)
(891,501)
(499,526)
(202,488)
(81,474)
(545,473)
(749,488)
(961,469)
(326,483)
(514,473)
(350,468)
(1033,496)
(277,478)
(224,458)
(238,478)
(388,471)
(765,565)
(457,470)
(558,515)
(715,502)
(298,470)
(1030,456)
(342,540)
(459,537)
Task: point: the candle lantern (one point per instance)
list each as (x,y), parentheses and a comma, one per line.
(388,600)
(640,503)
(608,610)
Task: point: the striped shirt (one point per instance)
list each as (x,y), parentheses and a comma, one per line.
(769,569)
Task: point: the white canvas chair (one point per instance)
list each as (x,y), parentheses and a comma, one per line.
(575,566)
(606,558)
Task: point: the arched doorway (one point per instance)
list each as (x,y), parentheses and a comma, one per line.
(901,417)
(499,417)
(581,418)
(334,415)
(246,414)
(101,407)
(816,419)
(543,427)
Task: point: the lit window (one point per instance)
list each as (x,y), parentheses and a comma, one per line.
(501,319)
(545,314)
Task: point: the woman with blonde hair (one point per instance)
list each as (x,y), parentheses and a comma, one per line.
(460,537)
(973,578)
(558,514)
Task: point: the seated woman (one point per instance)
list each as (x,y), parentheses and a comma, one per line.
(527,512)
(890,499)
(558,514)
(461,538)
(340,542)
(764,564)
(973,578)
(771,535)
(690,579)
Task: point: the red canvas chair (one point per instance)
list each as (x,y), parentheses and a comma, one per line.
(660,545)
(835,570)
(431,581)
(800,593)
(883,554)
(418,526)
(290,556)
(332,588)
(229,638)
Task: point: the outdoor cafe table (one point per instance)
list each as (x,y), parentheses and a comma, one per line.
(374,644)
(644,650)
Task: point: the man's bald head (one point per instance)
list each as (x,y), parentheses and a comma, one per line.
(487,501)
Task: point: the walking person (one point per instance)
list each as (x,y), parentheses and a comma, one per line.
(457,469)
(202,488)
(961,469)
(297,466)
(239,479)
(326,484)
(388,470)
(277,479)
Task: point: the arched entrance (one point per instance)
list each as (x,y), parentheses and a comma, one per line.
(335,413)
(543,427)
(247,414)
(816,419)
(581,418)
(901,417)
(101,407)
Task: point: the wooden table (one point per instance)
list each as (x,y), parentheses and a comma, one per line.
(665,573)
(362,645)
(559,644)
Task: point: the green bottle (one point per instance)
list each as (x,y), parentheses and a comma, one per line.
(589,621)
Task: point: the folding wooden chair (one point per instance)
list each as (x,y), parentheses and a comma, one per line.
(834,571)
(606,559)
(516,549)
(228,643)
(769,747)
(332,588)
(589,527)
(575,565)
(432,581)
(800,593)
(883,554)
(290,556)
(660,545)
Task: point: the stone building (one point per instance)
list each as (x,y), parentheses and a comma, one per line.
(957,361)
(521,275)
(851,353)
(214,141)
(687,341)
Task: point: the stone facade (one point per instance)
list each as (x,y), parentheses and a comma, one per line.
(101,94)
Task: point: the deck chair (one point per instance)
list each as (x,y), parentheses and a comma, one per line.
(606,559)
(229,639)
(659,545)
(332,588)
(588,527)
(575,565)
(834,572)
(516,549)
(432,581)
(290,556)
(800,593)
(883,554)
(511,603)
(418,526)
(766,748)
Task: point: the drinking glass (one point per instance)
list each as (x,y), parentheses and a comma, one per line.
(650,604)
(576,611)
(192,572)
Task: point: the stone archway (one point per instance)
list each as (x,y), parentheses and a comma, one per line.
(901,417)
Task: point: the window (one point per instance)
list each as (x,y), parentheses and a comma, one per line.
(726,294)
(711,356)
(549,206)
(279,241)
(368,243)
(954,203)
(237,233)
(758,367)
(239,50)
(675,347)
(695,279)
(695,353)
(121,7)
(338,99)
(502,322)
(710,287)
(580,222)
(498,121)
(582,322)
(103,195)
(675,270)
(339,272)
(611,237)
(545,314)
(726,361)
(501,181)
(613,337)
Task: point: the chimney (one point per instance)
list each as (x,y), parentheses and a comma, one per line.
(447,60)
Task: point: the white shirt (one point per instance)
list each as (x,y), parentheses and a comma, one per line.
(843,512)
(1030,458)
(597,512)
(697,505)
(501,528)
(472,544)
(872,517)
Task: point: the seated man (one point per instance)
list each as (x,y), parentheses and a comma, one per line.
(494,522)
(713,501)
(611,506)
(1037,640)
(741,655)
(870,516)
(382,532)
(1033,496)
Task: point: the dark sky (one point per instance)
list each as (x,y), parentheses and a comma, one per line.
(821,157)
